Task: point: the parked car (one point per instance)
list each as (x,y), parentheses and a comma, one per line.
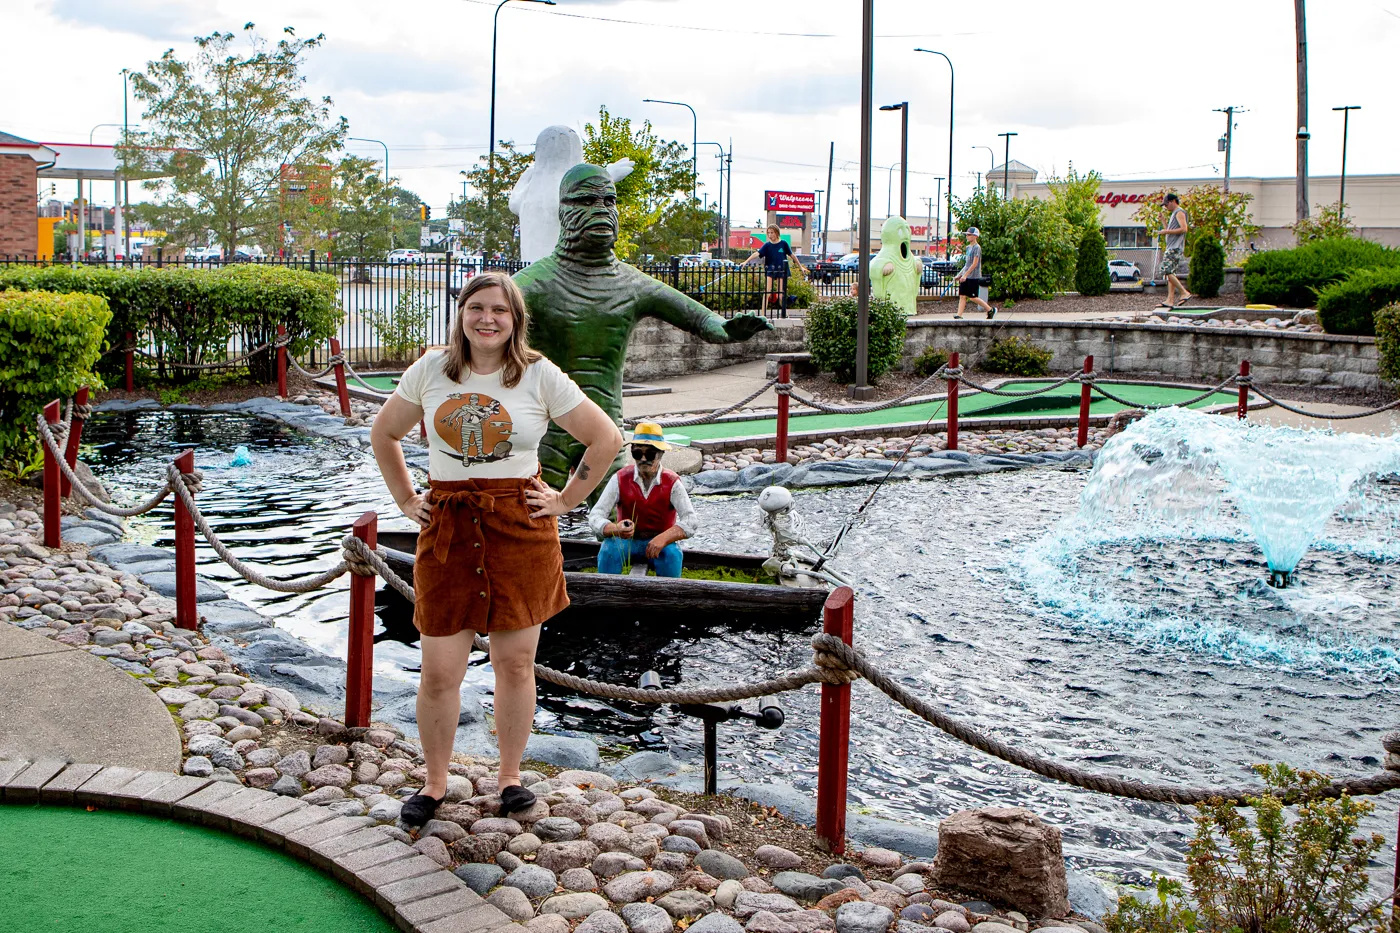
(247,254)
(851,262)
(719,263)
(1121,270)
(411,256)
(204,254)
(936,271)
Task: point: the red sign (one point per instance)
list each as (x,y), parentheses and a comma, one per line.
(790,221)
(804,201)
(1113,200)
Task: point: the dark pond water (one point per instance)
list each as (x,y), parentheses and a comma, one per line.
(948,599)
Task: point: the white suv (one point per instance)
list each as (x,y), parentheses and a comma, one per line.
(414,256)
(1120,270)
(204,254)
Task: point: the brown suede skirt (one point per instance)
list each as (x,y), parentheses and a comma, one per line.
(483,563)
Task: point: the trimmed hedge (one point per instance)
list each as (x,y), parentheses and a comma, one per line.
(48,346)
(1388,342)
(1293,277)
(1349,306)
(193,313)
(1207,268)
(831,336)
(1014,356)
(1091,275)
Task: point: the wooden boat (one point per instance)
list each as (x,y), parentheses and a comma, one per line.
(591,591)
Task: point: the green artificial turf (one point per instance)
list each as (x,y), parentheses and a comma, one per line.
(1062,402)
(70,870)
(382,383)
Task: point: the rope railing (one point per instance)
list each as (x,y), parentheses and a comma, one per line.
(219,364)
(1319,415)
(1093,383)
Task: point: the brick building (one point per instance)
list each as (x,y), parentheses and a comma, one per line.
(20,161)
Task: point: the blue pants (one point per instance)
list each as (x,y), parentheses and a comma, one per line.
(615,550)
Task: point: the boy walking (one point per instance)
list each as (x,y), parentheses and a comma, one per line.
(971,276)
(1173,251)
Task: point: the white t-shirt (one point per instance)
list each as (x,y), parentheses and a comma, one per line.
(478,428)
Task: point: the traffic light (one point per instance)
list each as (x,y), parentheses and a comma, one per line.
(424,212)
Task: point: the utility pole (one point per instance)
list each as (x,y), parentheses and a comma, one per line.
(1006,167)
(729,195)
(811,243)
(937,218)
(862,390)
(852,202)
(826,223)
(1227,142)
(1300,28)
(928,225)
(1342,195)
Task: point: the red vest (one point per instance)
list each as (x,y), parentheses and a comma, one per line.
(652,514)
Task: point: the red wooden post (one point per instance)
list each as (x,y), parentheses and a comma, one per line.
(784,376)
(52,487)
(340,388)
(359,653)
(422,424)
(75,433)
(281,363)
(953,403)
(1244,390)
(834,741)
(130,362)
(185,613)
(1084,399)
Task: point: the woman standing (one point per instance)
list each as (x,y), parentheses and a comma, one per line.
(775,255)
(488,556)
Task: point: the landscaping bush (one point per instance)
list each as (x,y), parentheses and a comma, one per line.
(402,331)
(1091,273)
(1207,268)
(1293,277)
(1349,306)
(1388,342)
(831,336)
(1307,875)
(1013,356)
(191,314)
(1028,246)
(930,361)
(48,345)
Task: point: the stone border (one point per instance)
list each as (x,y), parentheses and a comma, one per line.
(416,893)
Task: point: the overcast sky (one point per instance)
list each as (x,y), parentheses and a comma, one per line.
(1124,87)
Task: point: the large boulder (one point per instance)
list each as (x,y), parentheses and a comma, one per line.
(1004,853)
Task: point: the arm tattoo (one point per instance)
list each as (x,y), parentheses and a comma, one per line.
(584,470)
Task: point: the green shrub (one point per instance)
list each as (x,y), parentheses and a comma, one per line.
(1388,342)
(48,345)
(1349,306)
(1014,356)
(1091,272)
(1207,268)
(1273,875)
(191,314)
(1028,247)
(930,361)
(1293,277)
(831,336)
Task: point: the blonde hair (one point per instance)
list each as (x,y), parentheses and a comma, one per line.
(518,353)
(773,228)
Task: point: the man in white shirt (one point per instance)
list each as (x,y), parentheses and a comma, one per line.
(653,510)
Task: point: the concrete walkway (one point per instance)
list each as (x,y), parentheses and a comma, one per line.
(1384,423)
(61,702)
(703,391)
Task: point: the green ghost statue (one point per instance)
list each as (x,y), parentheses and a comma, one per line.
(895,271)
(583,304)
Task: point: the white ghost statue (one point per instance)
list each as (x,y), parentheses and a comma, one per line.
(535,198)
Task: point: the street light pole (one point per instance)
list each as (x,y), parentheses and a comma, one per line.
(486,241)
(991,163)
(362,139)
(938,200)
(694,131)
(719,200)
(862,389)
(126,185)
(889,188)
(1342,195)
(949,241)
(1301,35)
(830,196)
(903,157)
(1006,167)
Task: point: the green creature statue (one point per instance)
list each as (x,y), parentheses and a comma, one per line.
(583,304)
(895,271)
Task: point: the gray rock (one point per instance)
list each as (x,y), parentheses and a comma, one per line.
(647,918)
(685,903)
(573,906)
(556,829)
(910,883)
(805,887)
(978,907)
(325,795)
(198,766)
(287,786)
(843,871)
(533,880)
(601,921)
(513,903)
(352,808)
(263,757)
(329,775)
(1088,895)
(638,885)
(721,865)
(508,862)
(199,709)
(561,856)
(227,758)
(643,766)
(163,582)
(297,764)
(204,744)
(954,921)
(673,863)
(435,849)
(579,879)
(562,751)
(330,755)
(862,917)
(777,857)
(386,811)
(986,926)
(225,775)
(610,864)
(481,878)
(715,922)
(444,830)
(173,696)
(90,534)
(727,892)
(749,903)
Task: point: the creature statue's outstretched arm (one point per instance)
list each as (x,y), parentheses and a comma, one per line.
(516,199)
(620,169)
(679,310)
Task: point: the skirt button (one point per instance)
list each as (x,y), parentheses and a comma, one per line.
(481,570)
(483,594)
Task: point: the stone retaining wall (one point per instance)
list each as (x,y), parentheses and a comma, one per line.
(1193,353)
(658,351)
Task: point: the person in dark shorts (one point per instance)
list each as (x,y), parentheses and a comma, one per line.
(1173,251)
(970,277)
(775,254)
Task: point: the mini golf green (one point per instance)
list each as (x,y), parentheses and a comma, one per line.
(387,383)
(71,870)
(1059,403)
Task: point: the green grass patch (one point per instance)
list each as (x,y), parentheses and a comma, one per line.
(715,574)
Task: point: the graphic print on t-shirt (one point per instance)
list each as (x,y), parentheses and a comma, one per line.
(474,425)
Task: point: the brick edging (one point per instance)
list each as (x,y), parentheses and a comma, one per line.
(413,891)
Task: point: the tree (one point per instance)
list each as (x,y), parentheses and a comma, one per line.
(364,219)
(1091,275)
(661,177)
(221,128)
(681,225)
(1210,210)
(1073,196)
(1028,246)
(491,222)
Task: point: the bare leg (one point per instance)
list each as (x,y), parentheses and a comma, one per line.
(513,660)
(440,703)
(962,304)
(1173,280)
(981,304)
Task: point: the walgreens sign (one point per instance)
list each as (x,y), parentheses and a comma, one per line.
(801,201)
(1113,200)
